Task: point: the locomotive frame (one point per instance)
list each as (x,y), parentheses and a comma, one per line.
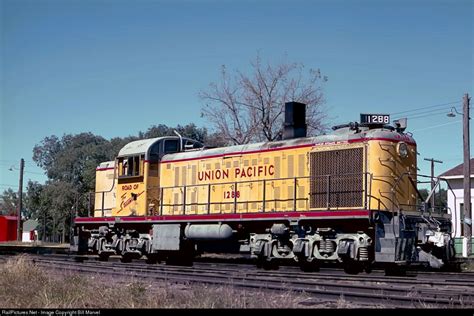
(348,197)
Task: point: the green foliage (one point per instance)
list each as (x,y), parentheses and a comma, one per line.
(51,204)
(441,197)
(73,158)
(35,202)
(8,202)
(189,130)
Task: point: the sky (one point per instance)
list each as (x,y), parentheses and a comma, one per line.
(117,67)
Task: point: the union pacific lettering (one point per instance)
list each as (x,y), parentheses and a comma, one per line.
(238,173)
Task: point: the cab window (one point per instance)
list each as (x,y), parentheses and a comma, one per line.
(131,166)
(171,146)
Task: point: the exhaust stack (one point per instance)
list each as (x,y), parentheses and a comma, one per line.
(295,120)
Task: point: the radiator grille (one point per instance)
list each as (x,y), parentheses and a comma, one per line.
(336,178)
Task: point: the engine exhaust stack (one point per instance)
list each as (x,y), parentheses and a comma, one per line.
(295,120)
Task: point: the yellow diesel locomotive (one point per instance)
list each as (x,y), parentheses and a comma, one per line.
(348,197)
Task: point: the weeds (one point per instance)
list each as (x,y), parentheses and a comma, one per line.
(24,285)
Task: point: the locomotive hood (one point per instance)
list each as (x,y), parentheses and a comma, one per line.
(340,135)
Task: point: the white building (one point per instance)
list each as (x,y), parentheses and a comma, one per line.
(455,180)
(30,233)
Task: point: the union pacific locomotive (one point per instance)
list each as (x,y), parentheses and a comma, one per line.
(349,197)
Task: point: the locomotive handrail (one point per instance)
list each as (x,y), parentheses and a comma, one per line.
(108,191)
(365,191)
(416,205)
(184,203)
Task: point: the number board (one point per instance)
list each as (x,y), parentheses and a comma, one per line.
(374,119)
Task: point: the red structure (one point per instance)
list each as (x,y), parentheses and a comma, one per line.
(8,228)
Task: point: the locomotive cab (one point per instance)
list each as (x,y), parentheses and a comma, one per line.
(137,168)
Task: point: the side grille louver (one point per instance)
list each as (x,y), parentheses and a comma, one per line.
(336,178)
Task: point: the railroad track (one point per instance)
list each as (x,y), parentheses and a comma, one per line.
(447,290)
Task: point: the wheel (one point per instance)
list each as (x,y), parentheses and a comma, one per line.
(151,259)
(306,266)
(125,259)
(103,257)
(270,265)
(368,269)
(395,270)
(179,259)
(352,268)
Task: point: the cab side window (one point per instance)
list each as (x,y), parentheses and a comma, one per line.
(131,166)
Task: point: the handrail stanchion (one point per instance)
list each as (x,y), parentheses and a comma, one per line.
(184,200)
(103,201)
(264,192)
(235,197)
(294,193)
(161,201)
(209,198)
(328,191)
(89,207)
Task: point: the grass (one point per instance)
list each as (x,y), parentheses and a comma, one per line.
(24,285)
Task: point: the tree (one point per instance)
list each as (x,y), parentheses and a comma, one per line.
(52,205)
(70,163)
(8,202)
(60,197)
(73,158)
(38,206)
(441,197)
(190,130)
(250,107)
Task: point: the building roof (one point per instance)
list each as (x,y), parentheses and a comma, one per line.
(30,225)
(458,170)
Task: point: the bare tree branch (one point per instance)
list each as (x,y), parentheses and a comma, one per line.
(250,106)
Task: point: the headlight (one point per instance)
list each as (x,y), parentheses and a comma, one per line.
(402,149)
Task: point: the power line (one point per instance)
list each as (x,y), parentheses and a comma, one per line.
(416,114)
(35,173)
(443,110)
(434,126)
(424,114)
(11,160)
(427,107)
(15,168)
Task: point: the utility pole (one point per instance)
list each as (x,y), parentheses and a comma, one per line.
(467,177)
(432,180)
(20,200)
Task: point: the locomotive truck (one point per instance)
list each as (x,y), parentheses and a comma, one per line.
(349,197)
